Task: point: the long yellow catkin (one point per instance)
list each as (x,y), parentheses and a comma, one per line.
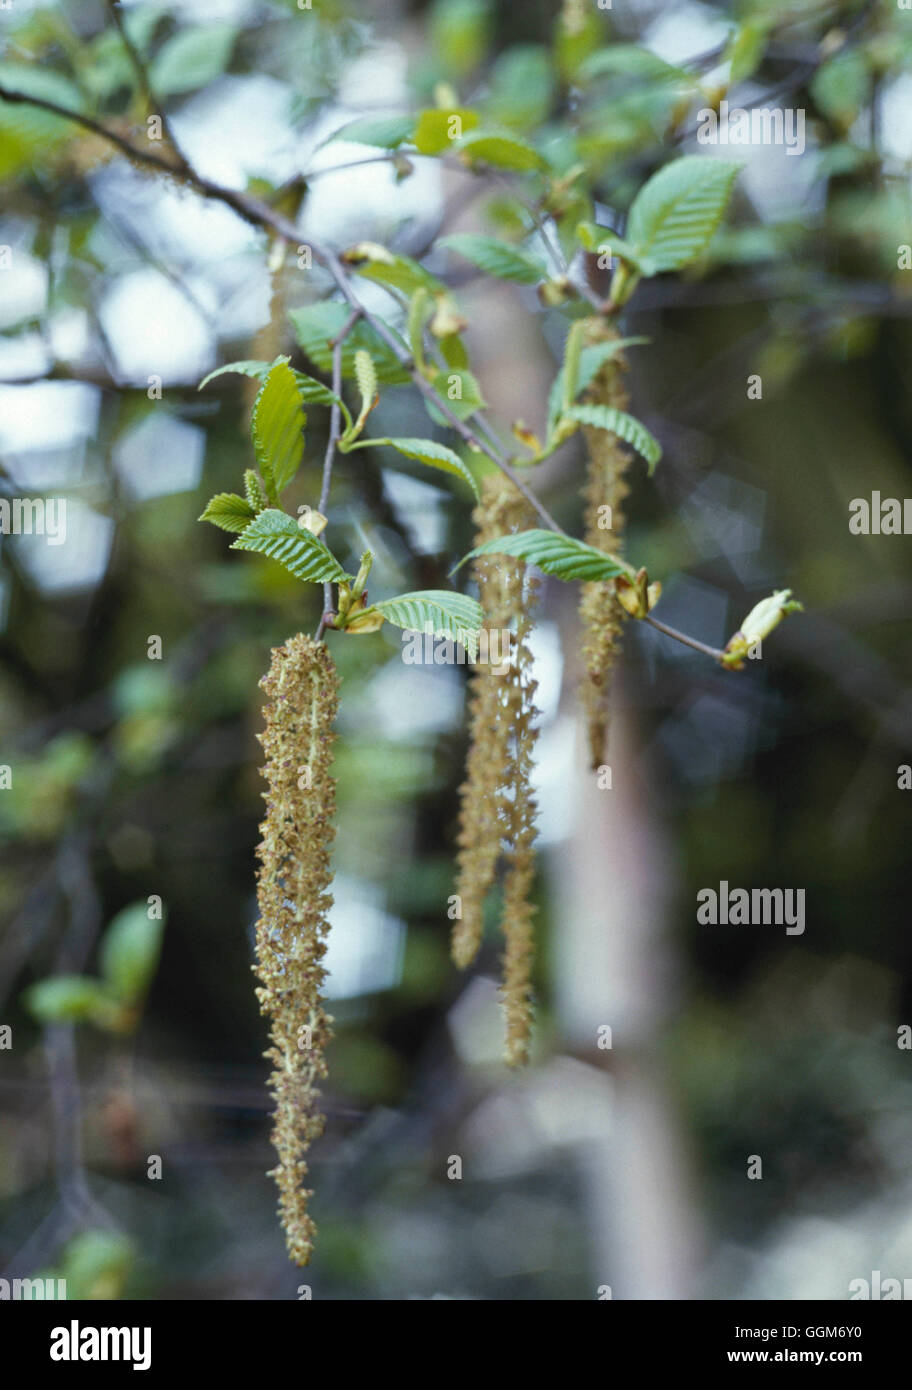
(600,613)
(496,805)
(293,894)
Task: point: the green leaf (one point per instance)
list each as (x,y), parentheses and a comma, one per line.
(278,535)
(375,262)
(383,132)
(675,214)
(501,151)
(459,391)
(460,30)
(746,49)
(606,417)
(277,426)
(130,951)
(248,367)
(435,455)
(842,86)
(228,511)
(96,1265)
(629,60)
(494,257)
(596,239)
(591,360)
(432,133)
(448,613)
(192,59)
(317,324)
(521,87)
(67,999)
(554,553)
(315,392)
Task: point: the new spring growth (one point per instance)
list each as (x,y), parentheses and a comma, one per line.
(759,623)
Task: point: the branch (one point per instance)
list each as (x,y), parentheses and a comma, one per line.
(153,105)
(259,214)
(715,652)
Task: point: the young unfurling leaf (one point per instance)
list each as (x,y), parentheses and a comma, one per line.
(277,427)
(278,535)
(228,511)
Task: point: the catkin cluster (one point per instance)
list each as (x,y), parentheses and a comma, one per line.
(293,883)
(603,527)
(497,809)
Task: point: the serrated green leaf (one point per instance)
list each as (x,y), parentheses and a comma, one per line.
(501,151)
(448,613)
(316,325)
(554,553)
(438,130)
(626,427)
(495,257)
(383,132)
(248,367)
(278,535)
(435,455)
(130,951)
(676,212)
(228,511)
(314,392)
(277,426)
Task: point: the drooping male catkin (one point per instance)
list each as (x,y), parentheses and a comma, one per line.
(497,809)
(293,883)
(603,526)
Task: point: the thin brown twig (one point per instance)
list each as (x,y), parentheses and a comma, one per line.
(259,214)
(153,105)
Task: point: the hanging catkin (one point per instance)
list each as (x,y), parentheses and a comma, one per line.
(603,526)
(293,893)
(519,816)
(496,805)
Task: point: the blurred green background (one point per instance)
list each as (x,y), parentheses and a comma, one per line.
(134,777)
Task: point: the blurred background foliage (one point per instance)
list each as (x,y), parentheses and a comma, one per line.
(135,779)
